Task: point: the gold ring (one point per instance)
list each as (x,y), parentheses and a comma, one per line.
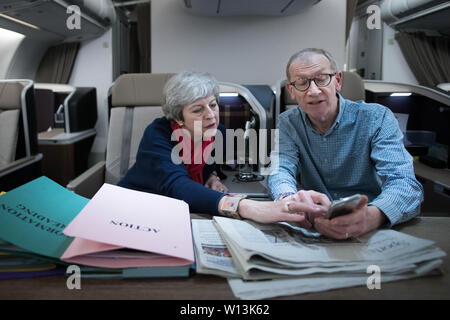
(286,205)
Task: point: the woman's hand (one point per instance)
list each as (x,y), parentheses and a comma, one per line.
(312,198)
(214,183)
(285,210)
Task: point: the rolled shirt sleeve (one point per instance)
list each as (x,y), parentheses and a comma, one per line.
(284,162)
(401,193)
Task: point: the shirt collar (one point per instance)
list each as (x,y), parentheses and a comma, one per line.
(341,109)
(336,122)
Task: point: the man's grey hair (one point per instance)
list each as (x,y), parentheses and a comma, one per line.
(185,88)
(306,54)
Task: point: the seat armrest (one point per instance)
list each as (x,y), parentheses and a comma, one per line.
(20,171)
(20,163)
(90,181)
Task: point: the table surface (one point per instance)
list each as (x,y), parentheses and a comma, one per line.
(236,186)
(207,287)
(441,176)
(60,137)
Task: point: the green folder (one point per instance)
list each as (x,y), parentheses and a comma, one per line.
(34,215)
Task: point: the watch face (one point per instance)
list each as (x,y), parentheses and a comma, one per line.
(230,206)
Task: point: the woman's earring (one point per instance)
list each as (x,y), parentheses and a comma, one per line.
(180,123)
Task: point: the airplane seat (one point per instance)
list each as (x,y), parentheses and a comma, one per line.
(352,86)
(45,108)
(135,101)
(289,103)
(19,159)
(10,107)
(444,86)
(234,116)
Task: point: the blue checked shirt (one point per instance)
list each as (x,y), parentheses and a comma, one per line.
(362,153)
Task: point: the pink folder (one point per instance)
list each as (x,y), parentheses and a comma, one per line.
(118,218)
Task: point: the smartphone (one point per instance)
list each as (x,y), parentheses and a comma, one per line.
(343,206)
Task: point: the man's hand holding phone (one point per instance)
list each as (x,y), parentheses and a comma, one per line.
(350,224)
(343,206)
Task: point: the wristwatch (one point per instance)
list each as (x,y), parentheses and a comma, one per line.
(230,206)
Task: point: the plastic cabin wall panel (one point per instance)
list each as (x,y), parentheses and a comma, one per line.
(9,42)
(395,67)
(242,49)
(93,68)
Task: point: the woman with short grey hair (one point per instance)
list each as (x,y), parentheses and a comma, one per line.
(185,88)
(167,161)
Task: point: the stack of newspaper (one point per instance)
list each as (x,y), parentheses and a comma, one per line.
(298,261)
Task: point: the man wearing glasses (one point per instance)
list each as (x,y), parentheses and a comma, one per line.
(339,148)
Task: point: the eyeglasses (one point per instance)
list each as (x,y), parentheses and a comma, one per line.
(322,80)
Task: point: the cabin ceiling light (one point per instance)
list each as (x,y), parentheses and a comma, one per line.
(6,34)
(229,94)
(400,94)
(19,21)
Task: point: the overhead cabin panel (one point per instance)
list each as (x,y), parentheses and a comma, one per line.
(430,16)
(51,16)
(436,21)
(246,7)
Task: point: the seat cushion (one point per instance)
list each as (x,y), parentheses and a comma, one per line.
(352,86)
(10,95)
(142,117)
(143,89)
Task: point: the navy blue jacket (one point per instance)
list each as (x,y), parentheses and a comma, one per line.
(155,172)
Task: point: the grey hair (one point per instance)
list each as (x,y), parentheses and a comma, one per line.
(306,54)
(185,88)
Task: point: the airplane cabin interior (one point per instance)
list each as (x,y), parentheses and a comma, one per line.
(64,115)
(81,80)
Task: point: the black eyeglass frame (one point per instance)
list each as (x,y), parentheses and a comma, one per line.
(331,75)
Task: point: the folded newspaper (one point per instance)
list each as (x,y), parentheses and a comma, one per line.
(299,261)
(211,254)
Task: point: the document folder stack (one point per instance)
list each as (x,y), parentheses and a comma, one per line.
(118,229)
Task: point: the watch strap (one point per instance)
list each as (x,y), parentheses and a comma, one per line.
(230,206)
